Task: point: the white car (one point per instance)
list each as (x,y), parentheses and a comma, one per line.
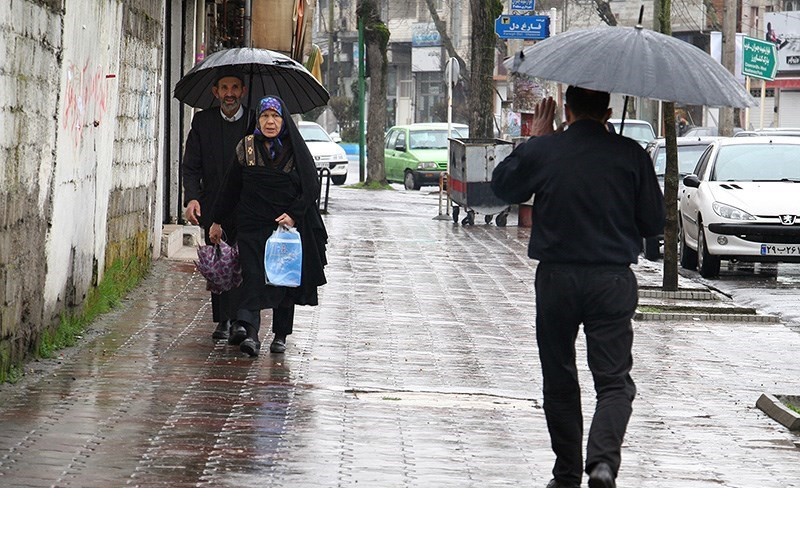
(743,203)
(639,130)
(327,154)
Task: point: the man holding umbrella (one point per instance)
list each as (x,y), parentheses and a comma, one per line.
(209,151)
(596,197)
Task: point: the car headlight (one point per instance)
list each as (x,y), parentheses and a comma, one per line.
(733,213)
(427,164)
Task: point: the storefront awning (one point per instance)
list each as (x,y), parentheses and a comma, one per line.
(784,83)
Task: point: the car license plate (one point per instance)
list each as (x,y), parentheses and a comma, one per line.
(323,164)
(780,249)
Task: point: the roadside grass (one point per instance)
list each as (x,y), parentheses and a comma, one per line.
(792,407)
(118,280)
(371,186)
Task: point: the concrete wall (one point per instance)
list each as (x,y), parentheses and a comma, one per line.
(80,181)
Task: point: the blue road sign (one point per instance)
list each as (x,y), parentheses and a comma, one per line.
(531,28)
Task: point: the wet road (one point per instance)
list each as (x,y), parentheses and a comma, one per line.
(772,288)
(418,369)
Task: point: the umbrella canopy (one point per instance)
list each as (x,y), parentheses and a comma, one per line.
(635,62)
(265,72)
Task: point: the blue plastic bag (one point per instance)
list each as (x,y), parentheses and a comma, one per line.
(283,258)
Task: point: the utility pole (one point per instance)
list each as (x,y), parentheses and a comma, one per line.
(331,53)
(728,59)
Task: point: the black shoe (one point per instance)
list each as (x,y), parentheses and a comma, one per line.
(278,344)
(601,477)
(557,484)
(221,331)
(250,347)
(238,334)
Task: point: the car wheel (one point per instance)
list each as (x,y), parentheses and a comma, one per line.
(339,180)
(687,255)
(652,248)
(410,182)
(707,264)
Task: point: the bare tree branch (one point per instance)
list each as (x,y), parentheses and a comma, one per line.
(441,27)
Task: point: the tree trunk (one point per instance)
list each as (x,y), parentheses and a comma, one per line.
(376,38)
(670,281)
(481,82)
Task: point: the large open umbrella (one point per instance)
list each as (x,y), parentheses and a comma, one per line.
(265,72)
(632,61)
(637,62)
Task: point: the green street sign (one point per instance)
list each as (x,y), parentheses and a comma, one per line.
(759,58)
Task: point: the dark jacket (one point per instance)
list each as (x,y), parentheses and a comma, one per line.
(210,148)
(596,195)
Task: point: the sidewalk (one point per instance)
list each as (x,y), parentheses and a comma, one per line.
(418,369)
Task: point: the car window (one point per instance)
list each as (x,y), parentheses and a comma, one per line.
(313,133)
(768,162)
(660,160)
(688,156)
(640,132)
(428,139)
(700,169)
(391,138)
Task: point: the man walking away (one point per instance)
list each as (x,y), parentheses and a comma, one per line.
(596,197)
(209,151)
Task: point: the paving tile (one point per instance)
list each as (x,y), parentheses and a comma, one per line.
(418,369)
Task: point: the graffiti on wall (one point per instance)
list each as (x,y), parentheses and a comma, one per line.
(86,99)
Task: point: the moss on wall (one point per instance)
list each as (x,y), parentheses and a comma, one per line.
(119,279)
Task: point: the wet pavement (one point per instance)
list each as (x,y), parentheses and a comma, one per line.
(418,369)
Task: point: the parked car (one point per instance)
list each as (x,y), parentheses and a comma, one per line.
(638,130)
(791,132)
(707,131)
(416,154)
(327,154)
(689,152)
(742,203)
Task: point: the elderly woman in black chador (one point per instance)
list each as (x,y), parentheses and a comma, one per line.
(272,181)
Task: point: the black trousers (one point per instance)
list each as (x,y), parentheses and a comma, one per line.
(282,320)
(603,298)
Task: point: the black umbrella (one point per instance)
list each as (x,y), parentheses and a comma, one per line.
(632,61)
(265,72)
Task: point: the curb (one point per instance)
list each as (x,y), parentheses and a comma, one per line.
(707,317)
(776,410)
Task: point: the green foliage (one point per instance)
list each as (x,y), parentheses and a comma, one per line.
(7,371)
(496,9)
(345,110)
(119,279)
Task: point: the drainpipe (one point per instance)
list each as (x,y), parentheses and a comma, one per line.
(248,21)
(200,30)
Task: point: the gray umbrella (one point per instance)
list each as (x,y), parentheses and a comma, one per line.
(265,72)
(635,62)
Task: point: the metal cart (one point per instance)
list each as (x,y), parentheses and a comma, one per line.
(472,162)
